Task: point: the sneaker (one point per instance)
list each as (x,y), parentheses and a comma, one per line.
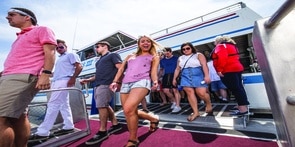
(63,132)
(173,105)
(176,109)
(35,137)
(98,137)
(202,102)
(238,113)
(114,128)
(224,100)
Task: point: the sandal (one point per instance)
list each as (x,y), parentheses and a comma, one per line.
(210,113)
(154,126)
(134,143)
(191,117)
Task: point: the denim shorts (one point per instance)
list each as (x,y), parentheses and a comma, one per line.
(144,83)
(217,85)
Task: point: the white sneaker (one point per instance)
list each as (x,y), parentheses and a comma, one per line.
(176,109)
(202,102)
(173,105)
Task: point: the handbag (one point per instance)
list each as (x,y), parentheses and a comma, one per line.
(178,79)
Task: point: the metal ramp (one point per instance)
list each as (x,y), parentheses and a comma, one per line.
(258,122)
(80,117)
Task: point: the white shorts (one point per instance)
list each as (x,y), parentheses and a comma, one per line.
(144,83)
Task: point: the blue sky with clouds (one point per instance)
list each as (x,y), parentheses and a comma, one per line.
(82,22)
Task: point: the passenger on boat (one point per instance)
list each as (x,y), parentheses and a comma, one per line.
(26,71)
(228,66)
(194,78)
(141,70)
(106,69)
(159,89)
(144,106)
(67,69)
(216,84)
(167,68)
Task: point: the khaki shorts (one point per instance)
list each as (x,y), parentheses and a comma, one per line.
(16,93)
(103,96)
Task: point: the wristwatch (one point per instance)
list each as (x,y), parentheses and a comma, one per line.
(46,71)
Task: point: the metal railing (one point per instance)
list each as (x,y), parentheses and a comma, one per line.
(201,19)
(78,107)
(275,19)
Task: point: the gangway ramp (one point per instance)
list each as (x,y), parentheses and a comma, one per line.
(259,125)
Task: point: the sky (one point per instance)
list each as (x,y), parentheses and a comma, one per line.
(83,22)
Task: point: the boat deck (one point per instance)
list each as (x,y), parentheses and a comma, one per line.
(259,126)
(255,125)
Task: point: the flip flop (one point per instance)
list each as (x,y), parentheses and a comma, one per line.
(134,143)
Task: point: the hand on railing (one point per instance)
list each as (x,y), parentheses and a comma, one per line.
(86,89)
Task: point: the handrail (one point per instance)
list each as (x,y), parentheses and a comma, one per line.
(275,19)
(59,89)
(68,88)
(230,8)
(60,140)
(87,92)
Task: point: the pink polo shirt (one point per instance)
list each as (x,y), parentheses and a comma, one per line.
(27,55)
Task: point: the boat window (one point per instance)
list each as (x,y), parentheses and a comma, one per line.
(79,54)
(87,53)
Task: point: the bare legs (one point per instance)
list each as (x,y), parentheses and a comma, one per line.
(163,97)
(12,128)
(177,96)
(192,99)
(170,96)
(203,95)
(106,113)
(130,102)
(174,97)
(144,105)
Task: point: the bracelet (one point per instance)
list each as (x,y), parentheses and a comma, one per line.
(46,71)
(117,82)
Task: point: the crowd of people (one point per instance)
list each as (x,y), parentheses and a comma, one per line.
(36,45)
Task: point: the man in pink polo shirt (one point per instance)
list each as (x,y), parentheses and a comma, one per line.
(26,71)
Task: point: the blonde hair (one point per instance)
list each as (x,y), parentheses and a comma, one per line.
(153,49)
(222,39)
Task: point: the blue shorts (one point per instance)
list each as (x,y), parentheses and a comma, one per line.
(216,85)
(144,83)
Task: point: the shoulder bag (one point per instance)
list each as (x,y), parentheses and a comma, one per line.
(178,79)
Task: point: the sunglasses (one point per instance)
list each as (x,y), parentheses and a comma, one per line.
(60,47)
(101,45)
(187,48)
